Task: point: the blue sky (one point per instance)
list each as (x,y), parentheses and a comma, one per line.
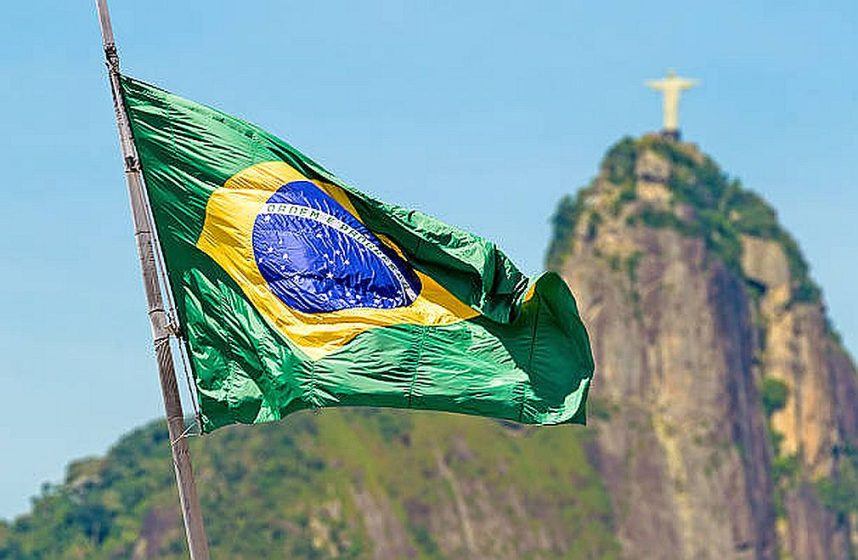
(481,113)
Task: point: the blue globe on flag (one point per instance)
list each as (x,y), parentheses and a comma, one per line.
(317,257)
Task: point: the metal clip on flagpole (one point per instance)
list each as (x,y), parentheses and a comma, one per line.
(194,529)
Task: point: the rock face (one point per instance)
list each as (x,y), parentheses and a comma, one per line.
(726,408)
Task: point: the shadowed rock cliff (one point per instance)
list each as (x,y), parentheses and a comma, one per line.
(725,402)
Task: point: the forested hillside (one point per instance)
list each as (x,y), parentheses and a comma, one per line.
(338,484)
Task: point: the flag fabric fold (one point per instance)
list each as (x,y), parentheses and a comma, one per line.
(295,290)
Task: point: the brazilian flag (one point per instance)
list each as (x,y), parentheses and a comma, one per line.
(295,290)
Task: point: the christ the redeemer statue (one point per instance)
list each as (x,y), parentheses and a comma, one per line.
(671,87)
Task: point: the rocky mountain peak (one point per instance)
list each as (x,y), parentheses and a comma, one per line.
(661,183)
(721,385)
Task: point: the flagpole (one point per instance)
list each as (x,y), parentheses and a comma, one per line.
(161,328)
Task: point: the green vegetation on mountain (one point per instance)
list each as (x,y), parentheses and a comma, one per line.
(337,484)
(723,209)
(773,396)
(840,494)
(773,393)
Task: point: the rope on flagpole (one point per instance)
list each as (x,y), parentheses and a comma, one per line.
(192,389)
(182,435)
(175,326)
